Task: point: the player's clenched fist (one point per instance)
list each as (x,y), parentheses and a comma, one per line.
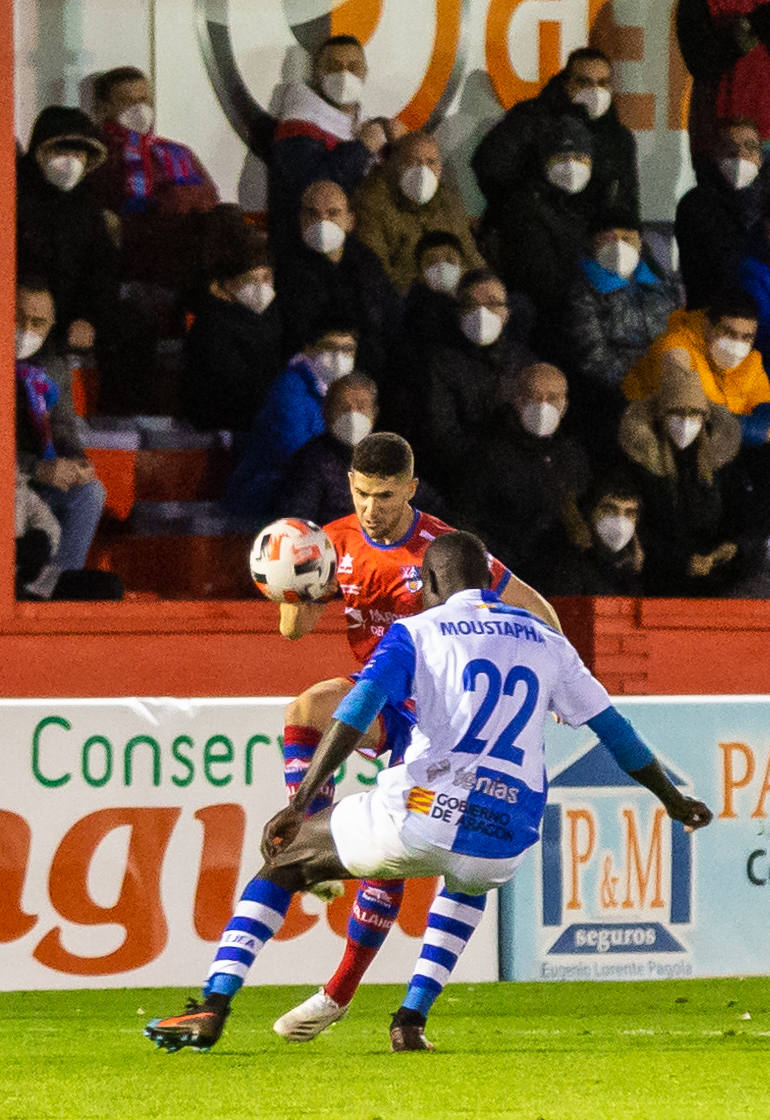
(279,831)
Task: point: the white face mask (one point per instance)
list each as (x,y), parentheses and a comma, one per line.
(26,343)
(342,87)
(324,237)
(65,170)
(570,175)
(443,276)
(739,173)
(481,326)
(615,531)
(330,365)
(596,100)
(727,353)
(256,295)
(351,427)
(139,117)
(684,429)
(419,183)
(540,418)
(619,257)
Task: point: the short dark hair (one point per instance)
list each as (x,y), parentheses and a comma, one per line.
(473,277)
(733,303)
(104,83)
(435,239)
(338,41)
(461,556)
(230,246)
(331,323)
(723,123)
(585,54)
(614,484)
(34,282)
(349,381)
(383,455)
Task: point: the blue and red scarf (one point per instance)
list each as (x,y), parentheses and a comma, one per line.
(41,394)
(149,162)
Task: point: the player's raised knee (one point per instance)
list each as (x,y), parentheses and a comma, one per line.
(315,706)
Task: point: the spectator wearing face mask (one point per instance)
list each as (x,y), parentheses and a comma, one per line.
(713,220)
(718,344)
(508,156)
(332,274)
(61,230)
(523,489)
(609,559)
(234,348)
(697,536)
(291,416)
(542,224)
(487,345)
(321,133)
(405,198)
(613,312)
(48,448)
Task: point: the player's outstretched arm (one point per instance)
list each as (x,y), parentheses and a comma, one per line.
(295,620)
(517,593)
(633,755)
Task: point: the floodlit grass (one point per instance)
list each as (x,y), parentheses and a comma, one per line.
(520,1051)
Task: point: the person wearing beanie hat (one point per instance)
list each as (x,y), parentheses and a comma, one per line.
(582,91)
(617,306)
(699,536)
(718,343)
(541,225)
(62,233)
(234,349)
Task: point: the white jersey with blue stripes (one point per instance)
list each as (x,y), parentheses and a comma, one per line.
(484,677)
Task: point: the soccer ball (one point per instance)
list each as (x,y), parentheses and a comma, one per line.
(292,560)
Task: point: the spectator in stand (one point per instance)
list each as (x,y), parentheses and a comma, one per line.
(714,219)
(542,224)
(523,488)
(508,157)
(486,347)
(613,313)
(724,44)
(333,274)
(48,448)
(754,275)
(234,348)
(405,198)
(429,305)
(697,536)
(157,187)
(320,133)
(613,561)
(61,230)
(291,416)
(718,344)
(315,484)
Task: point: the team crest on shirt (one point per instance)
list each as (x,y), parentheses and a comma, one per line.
(412,577)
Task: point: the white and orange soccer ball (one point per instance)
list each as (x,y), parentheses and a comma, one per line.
(292,560)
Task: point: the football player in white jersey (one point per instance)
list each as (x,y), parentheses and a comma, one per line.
(467,800)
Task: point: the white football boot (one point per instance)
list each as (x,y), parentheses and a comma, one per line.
(308,1019)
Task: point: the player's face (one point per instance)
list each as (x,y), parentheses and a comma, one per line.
(382,504)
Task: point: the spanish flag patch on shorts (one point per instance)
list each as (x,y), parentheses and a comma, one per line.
(420,799)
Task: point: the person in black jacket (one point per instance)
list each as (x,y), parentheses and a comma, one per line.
(713,220)
(234,349)
(507,156)
(332,274)
(62,230)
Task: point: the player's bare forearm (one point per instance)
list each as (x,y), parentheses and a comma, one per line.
(693,814)
(517,593)
(337,742)
(298,619)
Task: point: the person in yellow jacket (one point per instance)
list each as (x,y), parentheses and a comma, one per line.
(717,343)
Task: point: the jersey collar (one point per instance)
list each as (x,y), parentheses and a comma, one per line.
(393,544)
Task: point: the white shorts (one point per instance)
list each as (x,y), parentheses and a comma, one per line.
(373,844)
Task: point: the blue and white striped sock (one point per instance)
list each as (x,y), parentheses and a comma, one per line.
(258,915)
(451,921)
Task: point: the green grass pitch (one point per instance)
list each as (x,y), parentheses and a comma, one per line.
(520,1051)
